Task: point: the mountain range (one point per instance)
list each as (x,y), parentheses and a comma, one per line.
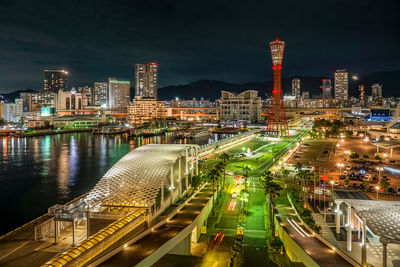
(211,89)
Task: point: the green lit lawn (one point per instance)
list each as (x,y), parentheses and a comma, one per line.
(262,156)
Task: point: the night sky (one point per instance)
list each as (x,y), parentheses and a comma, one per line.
(191,40)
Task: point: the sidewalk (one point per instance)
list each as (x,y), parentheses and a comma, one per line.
(318,251)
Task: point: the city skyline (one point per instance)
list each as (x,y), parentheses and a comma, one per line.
(233,51)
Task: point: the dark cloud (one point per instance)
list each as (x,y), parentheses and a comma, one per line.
(209,39)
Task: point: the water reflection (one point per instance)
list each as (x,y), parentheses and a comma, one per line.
(38,172)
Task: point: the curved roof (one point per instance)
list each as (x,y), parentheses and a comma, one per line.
(136,179)
(383,217)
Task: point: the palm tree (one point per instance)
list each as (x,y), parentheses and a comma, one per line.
(213,175)
(220,169)
(271,189)
(225,157)
(246,169)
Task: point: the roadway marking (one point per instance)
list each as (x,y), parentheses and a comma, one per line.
(12,251)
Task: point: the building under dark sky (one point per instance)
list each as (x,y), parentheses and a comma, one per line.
(191,40)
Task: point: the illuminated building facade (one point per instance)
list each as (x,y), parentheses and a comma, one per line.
(376,92)
(326,88)
(146,80)
(88,92)
(277,117)
(55,80)
(34,101)
(100,94)
(296,88)
(143,110)
(71,100)
(341,87)
(119,93)
(245,106)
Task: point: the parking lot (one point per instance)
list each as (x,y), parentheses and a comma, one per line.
(330,157)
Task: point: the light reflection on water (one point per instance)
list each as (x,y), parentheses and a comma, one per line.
(38,172)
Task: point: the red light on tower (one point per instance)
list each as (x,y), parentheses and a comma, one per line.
(277,117)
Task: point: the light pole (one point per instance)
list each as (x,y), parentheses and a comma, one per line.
(379,171)
(366,139)
(377,191)
(332,184)
(340,165)
(337,148)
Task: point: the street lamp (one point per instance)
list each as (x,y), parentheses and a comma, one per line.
(332,184)
(377,191)
(379,171)
(366,139)
(340,165)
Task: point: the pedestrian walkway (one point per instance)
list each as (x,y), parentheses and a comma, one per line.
(318,251)
(326,232)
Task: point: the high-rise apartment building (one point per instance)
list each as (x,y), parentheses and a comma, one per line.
(296,88)
(341,86)
(55,80)
(88,92)
(34,101)
(326,88)
(376,92)
(146,80)
(100,94)
(119,93)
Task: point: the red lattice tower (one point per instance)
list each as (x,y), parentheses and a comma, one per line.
(277,117)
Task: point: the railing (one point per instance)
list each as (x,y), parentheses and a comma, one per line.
(99,242)
(338,250)
(223,143)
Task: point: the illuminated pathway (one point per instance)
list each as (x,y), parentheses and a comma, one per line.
(318,251)
(156,242)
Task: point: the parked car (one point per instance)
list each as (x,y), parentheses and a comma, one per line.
(342,177)
(361,187)
(391,190)
(345,172)
(336,183)
(354,186)
(368,162)
(348,168)
(367,177)
(398,190)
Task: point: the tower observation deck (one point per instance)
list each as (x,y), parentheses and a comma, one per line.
(277,117)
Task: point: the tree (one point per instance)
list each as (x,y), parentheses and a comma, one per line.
(271,189)
(354,155)
(225,157)
(365,156)
(366,184)
(378,157)
(213,175)
(197,180)
(246,169)
(384,184)
(298,165)
(220,169)
(243,196)
(346,181)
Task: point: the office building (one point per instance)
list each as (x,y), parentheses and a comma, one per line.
(326,88)
(245,106)
(119,93)
(341,87)
(55,80)
(100,94)
(143,110)
(296,88)
(146,80)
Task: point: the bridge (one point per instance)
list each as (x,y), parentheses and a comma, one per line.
(144,193)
